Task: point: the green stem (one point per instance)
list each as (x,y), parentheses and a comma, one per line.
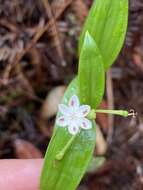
(114,112)
(91,115)
(61,154)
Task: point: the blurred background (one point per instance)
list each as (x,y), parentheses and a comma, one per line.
(38,59)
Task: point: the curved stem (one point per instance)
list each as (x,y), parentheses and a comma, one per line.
(61,154)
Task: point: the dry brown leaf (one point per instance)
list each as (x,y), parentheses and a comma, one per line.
(80,9)
(26,150)
(137,60)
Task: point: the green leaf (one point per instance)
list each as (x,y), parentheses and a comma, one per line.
(107,24)
(91,74)
(67,173)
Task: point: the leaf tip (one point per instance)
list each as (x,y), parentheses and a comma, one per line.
(88,36)
(88,40)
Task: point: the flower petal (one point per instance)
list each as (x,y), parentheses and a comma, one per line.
(62,121)
(86,124)
(83,110)
(74,101)
(73,130)
(74,121)
(64,109)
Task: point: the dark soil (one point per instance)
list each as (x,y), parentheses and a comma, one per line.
(38,53)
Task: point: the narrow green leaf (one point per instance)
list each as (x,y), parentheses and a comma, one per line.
(91,74)
(107,24)
(67,173)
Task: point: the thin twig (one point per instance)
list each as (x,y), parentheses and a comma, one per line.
(55,32)
(8,25)
(37,36)
(110,99)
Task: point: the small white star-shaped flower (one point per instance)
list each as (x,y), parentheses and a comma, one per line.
(73,116)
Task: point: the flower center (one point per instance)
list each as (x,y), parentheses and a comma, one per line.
(73,116)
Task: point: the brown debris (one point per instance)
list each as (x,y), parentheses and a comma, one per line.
(54,31)
(81,10)
(26,150)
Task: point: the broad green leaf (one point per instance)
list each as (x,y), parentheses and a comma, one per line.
(67,173)
(91,74)
(107,24)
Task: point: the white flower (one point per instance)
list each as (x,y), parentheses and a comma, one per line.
(73,116)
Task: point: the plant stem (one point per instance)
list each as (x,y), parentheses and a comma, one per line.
(92,115)
(61,154)
(114,112)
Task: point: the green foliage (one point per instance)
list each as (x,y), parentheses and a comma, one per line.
(107,24)
(67,173)
(91,74)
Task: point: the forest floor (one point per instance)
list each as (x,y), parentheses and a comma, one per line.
(38,59)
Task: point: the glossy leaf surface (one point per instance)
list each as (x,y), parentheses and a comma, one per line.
(91,74)
(107,24)
(67,173)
